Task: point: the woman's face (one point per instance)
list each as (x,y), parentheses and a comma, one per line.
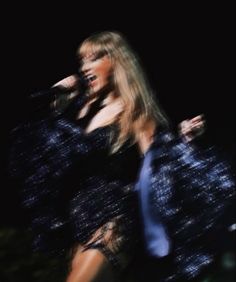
(97,71)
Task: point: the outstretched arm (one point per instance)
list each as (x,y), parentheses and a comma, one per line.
(189,129)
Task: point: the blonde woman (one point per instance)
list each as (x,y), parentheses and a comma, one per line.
(81,165)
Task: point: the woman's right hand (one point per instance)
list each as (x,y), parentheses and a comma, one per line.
(70,85)
(70,82)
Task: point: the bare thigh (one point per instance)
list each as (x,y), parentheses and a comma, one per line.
(90,266)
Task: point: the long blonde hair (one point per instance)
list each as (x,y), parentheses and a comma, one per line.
(130,84)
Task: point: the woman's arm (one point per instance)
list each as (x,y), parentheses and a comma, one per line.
(189,129)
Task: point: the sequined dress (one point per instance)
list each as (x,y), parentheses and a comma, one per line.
(186,205)
(76,191)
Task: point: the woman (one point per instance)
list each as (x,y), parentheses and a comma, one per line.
(80,166)
(78,187)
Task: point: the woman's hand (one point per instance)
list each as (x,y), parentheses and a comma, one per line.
(189,129)
(70,85)
(69,82)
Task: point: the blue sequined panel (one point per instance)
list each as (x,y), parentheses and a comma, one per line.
(191,191)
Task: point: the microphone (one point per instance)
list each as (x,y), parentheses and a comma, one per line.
(44,99)
(49,94)
(44,94)
(58,97)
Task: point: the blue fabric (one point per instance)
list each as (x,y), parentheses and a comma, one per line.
(188,191)
(157,242)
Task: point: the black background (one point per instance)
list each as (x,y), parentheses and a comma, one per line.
(187,51)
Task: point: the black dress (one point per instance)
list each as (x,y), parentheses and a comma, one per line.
(77,192)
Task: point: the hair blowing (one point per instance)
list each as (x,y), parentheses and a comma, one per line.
(130,84)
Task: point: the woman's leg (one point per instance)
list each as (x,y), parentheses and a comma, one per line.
(90,266)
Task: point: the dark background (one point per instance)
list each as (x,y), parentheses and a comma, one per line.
(187,50)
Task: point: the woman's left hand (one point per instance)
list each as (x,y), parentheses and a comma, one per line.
(189,129)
